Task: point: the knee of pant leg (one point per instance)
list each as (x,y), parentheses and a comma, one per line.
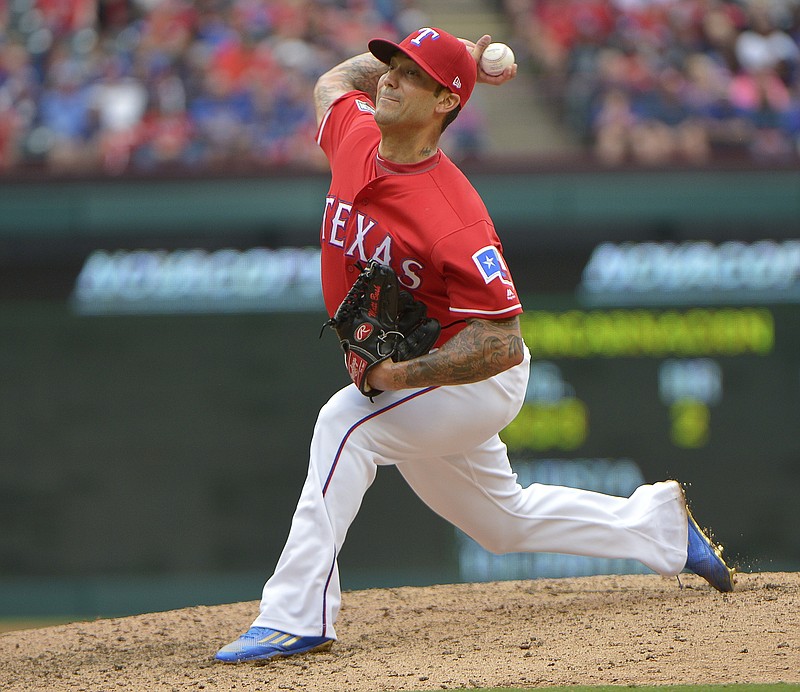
(498,541)
(327,413)
(344,408)
(335,416)
(339,446)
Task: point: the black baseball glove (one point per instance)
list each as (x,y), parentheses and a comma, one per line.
(419,331)
(376,321)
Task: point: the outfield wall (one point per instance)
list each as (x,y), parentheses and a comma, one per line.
(153,439)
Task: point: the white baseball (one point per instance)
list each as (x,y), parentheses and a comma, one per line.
(496,58)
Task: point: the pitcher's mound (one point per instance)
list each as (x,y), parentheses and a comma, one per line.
(612,630)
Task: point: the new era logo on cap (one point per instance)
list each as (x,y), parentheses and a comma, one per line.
(440,54)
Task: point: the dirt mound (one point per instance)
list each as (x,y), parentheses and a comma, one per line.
(625,630)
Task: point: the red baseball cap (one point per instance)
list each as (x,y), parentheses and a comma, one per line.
(440,54)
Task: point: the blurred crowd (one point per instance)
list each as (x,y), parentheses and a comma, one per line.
(120,85)
(661,81)
(150,85)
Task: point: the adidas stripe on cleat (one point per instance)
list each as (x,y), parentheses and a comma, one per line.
(264,643)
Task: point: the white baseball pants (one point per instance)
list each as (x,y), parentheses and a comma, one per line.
(444,442)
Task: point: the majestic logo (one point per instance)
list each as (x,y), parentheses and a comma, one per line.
(362,331)
(491,265)
(424,33)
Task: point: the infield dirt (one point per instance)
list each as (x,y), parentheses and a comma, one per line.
(611,630)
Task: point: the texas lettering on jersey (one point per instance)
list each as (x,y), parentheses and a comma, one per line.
(360,238)
(368,240)
(451,259)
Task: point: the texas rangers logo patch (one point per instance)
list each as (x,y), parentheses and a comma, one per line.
(491,265)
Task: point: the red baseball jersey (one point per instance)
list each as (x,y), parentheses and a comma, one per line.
(425,220)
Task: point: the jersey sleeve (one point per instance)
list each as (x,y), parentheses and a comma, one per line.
(477,278)
(346,115)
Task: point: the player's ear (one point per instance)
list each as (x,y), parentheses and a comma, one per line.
(447,101)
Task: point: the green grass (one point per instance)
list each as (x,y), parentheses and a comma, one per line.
(781,687)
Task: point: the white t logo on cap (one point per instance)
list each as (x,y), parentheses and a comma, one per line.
(423,34)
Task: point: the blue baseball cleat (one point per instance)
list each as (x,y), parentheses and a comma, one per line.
(704,558)
(263,643)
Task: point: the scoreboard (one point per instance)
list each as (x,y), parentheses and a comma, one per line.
(127,365)
(148,407)
(690,369)
(677,354)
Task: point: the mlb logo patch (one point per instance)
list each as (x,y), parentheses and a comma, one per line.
(491,265)
(364,107)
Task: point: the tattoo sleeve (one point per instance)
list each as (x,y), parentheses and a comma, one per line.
(482,349)
(358,73)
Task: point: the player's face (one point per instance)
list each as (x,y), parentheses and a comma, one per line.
(406,94)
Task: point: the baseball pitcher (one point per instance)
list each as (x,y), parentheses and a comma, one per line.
(438,371)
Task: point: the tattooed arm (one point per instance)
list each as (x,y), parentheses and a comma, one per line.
(482,349)
(359,73)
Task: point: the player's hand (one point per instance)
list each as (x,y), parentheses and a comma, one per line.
(477,51)
(379,376)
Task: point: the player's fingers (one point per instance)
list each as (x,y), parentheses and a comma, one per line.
(480,46)
(509,73)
